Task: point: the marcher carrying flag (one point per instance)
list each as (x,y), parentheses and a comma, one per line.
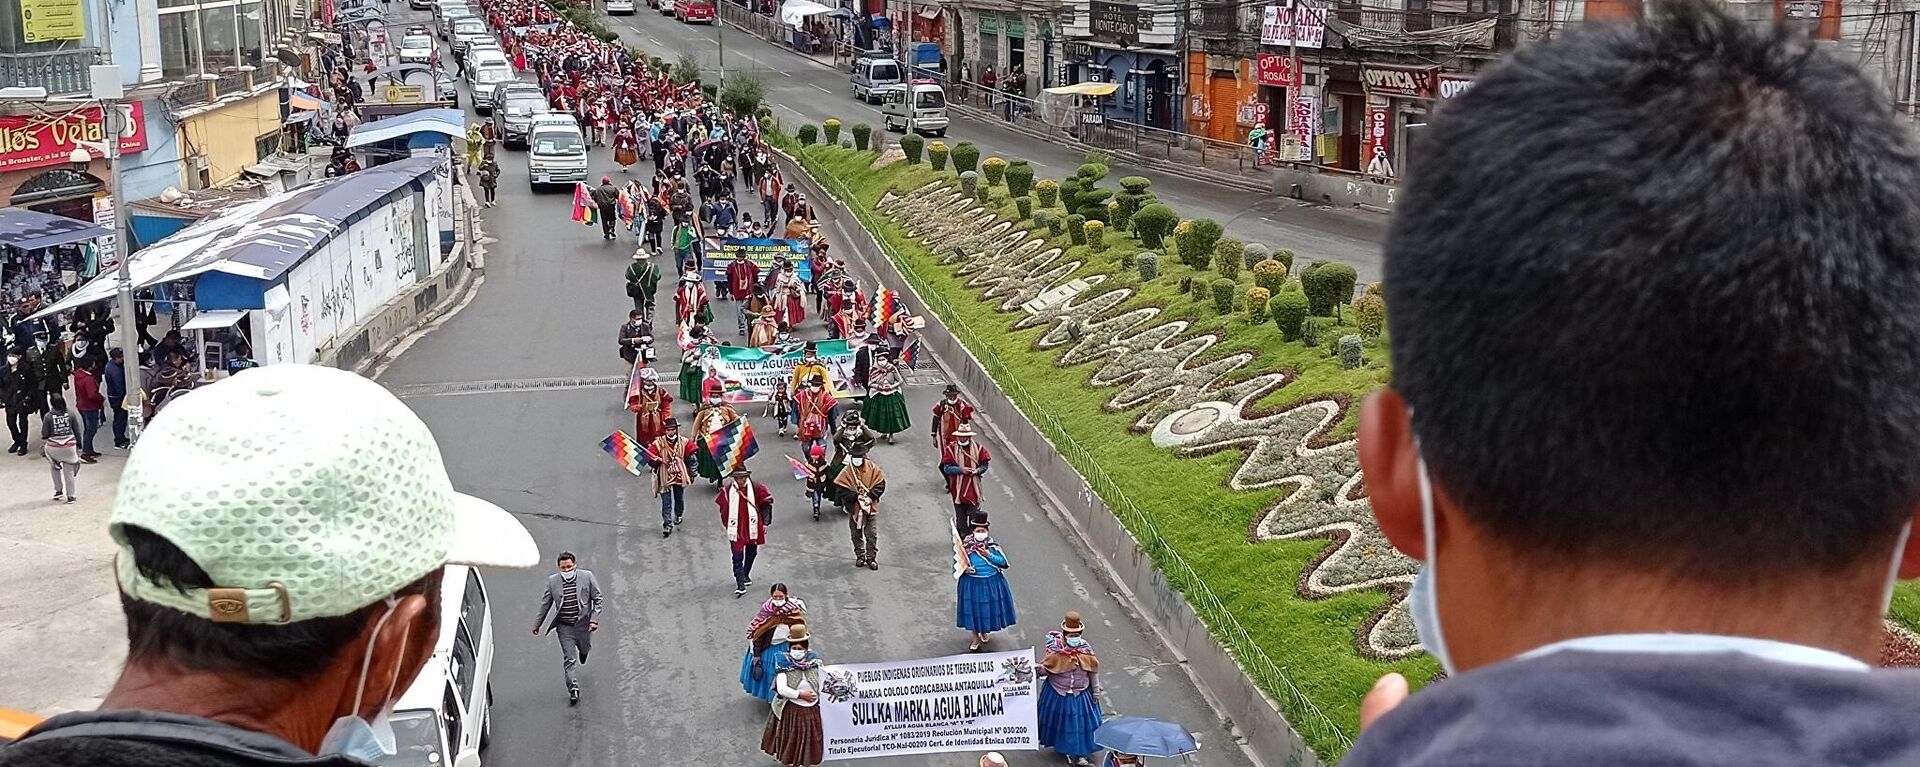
(583,208)
(731,444)
(800,470)
(624,451)
(904,360)
(887,306)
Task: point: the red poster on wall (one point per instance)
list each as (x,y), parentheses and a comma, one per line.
(1379,139)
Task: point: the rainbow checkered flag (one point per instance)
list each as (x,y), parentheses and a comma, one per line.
(732,444)
(909,354)
(583,209)
(886,307)
(800,470)
(624,451)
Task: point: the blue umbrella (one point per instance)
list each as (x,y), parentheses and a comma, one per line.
(1144,737)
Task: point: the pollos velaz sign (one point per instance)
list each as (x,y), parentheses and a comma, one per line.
(1408,82)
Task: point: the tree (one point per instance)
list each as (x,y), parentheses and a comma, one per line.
(1196,239)
(743,93)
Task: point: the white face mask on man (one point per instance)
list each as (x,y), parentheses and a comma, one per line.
(368,741)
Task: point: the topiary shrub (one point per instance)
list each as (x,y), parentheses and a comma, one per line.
(1096,235)
(1270,274)
(1057,225)
(1257,303)
(1370,314)
(982,193)
(1223,290)
(1348,349)
(937,154)
(994,169)
(861,133)
(1136,184)
(1097,157)
(1186,285)
(1019,178)
(967,181)
(1255,253)
(1025,206)
(1376,289)
(832,130)
(1093,204)
(1092,172)
(1128,258)
(1070,194)
(1227,256)
(1200,289)
(911,145)
(807,135)
(1328,285)
(1132,197)
(1149,266)
(1043,219)
(1285,257)
(1289,309)
(846,143)
(1153,223)
(1047,192)
(966,156)
(1195,240)
(1077,228)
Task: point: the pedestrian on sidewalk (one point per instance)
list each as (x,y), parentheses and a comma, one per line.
(60,444)
(283,660)
(793,734)
(863,483)
(116,382)
(571,608)
(767,640)
(1069,705)
(984,603)
(489,179)
(671,457)
(88,400)
(963,462)
(746,510)
(21,395)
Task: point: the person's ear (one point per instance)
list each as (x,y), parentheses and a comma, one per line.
(1910,556)
(399,652)
(1390,464)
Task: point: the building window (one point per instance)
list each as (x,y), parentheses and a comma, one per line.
(266,145)
(209,36)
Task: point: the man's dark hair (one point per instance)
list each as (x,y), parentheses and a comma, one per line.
(1652,290)
(564,557)
(292,651)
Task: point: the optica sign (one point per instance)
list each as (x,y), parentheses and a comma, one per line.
(32,141)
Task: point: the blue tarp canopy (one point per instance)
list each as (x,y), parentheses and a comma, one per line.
(29,229)
(451,122)
(261,240)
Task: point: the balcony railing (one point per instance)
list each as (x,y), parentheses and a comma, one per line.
(229,84)
(60,72)
(1218,19)
(1503,28)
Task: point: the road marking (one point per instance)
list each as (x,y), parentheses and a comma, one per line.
(785,73)
(820,89)
(501,386)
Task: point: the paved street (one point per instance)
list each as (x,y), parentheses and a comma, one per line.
(804,90)
(523,384)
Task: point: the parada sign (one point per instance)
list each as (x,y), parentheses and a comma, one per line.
(1410,82)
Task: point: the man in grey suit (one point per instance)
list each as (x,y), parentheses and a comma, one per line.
(571,607)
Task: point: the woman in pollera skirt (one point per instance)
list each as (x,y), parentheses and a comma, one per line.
(793,733)
(692,373)
(1069,701)
(768,637)
(985,603)
(885,409)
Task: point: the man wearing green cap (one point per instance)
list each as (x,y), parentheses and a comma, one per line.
(281,540)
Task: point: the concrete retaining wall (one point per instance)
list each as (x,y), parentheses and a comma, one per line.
(417,305)
(1268,738)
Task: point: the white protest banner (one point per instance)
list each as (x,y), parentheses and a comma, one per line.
(974,702)
(748,375)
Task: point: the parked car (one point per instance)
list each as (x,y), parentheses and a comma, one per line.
(440,7)
(466,31)
(449,88)
(515,105)
(619,7)
(452,16)
(420,5)
(416,49)
(486,70)
(445,718)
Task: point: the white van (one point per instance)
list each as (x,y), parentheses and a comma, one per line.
(871,73)
(919,106)
(446,717)
(486,69)
(556,152)
(620,7)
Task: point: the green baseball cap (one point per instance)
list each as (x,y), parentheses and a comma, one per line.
(304,492)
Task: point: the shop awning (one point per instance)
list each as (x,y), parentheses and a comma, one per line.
(930,12)
(29,229)
(215,318)
(794,11)
(447,121)
(1085,89)
(302,100)
(260,240)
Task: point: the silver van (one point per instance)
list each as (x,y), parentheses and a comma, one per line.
(872,73)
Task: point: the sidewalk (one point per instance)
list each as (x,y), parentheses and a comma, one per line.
(60,622)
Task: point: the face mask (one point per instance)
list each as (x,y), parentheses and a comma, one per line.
(798,653)
(779,603)
(980,536)
(1076,642)
(567,575)
(856,461)
(953,398)
(965,442)
(355,737)
(1421,602)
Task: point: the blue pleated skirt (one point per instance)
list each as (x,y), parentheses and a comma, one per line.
(985,604)
(1067,722)
(762,689)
